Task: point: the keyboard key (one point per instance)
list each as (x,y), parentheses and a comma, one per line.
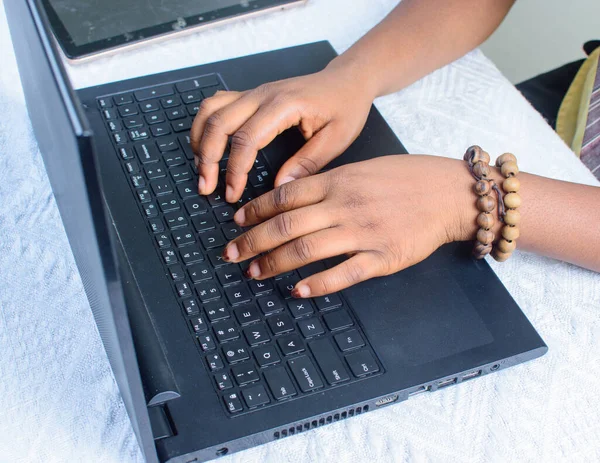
(266,356)
(229,276)
(176,272)
(187,190)
(170,102)
(176,113)
(280,383)
(311,269)
(191,97)
(147,152)
(168,203)
(216,257)
(150,210)
(214,362)
(338,320)
(217,198)
(224,382)
(190,307)
(115,126)
(300,307)
(259,178)
(226,331)
(158,130)
(167,144)
(193,109)
(143,195)
(163,240)
(330,364)
(257,334)
(155,118)
(196,205)
(306,374)
(183,237)
(199,325)
(328,302)
(120,138)
(247,314)
(260,287)
(154,92)
(291,344)
(260,161)
(173,159)
(155,170)
(349,340)
(200,272)
(245,373)
(126,153)
(207,342)
(281,324)
(224,213)
(181,174)
(181,126)
(149,106)
(287,285)
(310,327)
(161,187)
(104,103)
(124,98)
(133,122)
(132,167)
(110,114)
(238,294)
(207,291)
(128,110)
(231,231)
(204,81)
(176,219)
(362,363)
(138,134)
(191,255)
(183,289)
(138,181)
(236,351)
(255,396)
(210,91)
(216,311)
(157,225)
(211,239)
(233,403)
(270,304)
(184,140)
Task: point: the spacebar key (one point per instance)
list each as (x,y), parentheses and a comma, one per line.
(331,365)
(306,374)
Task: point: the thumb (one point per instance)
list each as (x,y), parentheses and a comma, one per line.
(327,144)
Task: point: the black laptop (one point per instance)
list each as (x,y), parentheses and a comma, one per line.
(207,362)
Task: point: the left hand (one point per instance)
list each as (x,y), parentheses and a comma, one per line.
(387,213)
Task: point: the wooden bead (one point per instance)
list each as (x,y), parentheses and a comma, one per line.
(481,156)
(511,185)
(486,203)
(481,169)
(506,246)
(485,220)
(506,157)
(509,169)
(512,200)
(480,250)
(512,217)
(501,256)
(485,236)
(510,233)
(482,187)
(471,152)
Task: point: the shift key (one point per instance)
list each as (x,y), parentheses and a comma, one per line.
(329,362)
(306,374)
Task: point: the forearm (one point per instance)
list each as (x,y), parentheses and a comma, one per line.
(418,37)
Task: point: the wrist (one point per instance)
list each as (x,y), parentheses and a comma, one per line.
(353,70)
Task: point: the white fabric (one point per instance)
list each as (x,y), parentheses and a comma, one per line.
(58,399)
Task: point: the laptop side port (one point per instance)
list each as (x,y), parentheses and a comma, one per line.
(470,375)
(419,390)
(447,382)
(386,400)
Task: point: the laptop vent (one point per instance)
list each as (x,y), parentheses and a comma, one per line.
(319,422)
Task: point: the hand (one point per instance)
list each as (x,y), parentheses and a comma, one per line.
(330,108)
(386,213)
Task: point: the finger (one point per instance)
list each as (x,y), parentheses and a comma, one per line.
(277,231)
(316,153)
(361,267)
(260,130)
(207,108)
(290,196)
(301,251)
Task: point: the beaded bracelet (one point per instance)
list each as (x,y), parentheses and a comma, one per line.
(511,216)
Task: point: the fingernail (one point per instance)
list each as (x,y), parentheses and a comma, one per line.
(231,252)
(254,270)
(240,216)
(301,291)
(201,184)
(229,194)
(286,179)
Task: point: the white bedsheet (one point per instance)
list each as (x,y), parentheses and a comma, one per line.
(58,398)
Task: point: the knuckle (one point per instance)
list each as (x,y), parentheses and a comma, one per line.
(304,249)
(354,274)
(268,265)
(248,243)
(324,285)
(206,107)
(242,139)
(282,196)
(285,224)
(308,165)
(213,123)
(234,167)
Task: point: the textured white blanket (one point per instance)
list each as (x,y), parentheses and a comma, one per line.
(58,398)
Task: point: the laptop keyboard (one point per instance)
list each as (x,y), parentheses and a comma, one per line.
(260,345)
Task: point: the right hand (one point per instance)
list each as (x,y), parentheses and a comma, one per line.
(330,108)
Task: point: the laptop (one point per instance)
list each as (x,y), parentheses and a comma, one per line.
(208,363)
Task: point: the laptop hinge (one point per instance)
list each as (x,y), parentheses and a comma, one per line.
(160,422)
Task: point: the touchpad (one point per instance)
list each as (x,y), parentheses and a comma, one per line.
(412,318)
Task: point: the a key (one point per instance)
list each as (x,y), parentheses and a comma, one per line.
(191,254)
(256,334)
(231,231)
(168,203)
(310,327)
(159,130)
(349,340)
(259,178)
(132,167)
(104,103)
(138,181)
(224,382)
(328,302)
(235,351)
(184,140)
(270,304)
(133,122)
(143,195)
(128,110)
(147,152)
(245,373)
(338,320)
(183,236)
(204,81)
(138,134)
(161,187)
(233,403)
(183,289)
(157,225)
(287,285)
(126,153)
(311,269)
(170,102)
(212,239)
(207,291)
(166,144)
(155,118)
(246,314)
(362,363)
(300,307)
(181,126)
(214,362)
(163,240)
(210,91)
(150,210)
(305,373)
(181,174)
(229,276)
(120,138)
(280,383)
(154,92)
(330,364)
(291,344)
(207,342)
(190,307)
(281,323)
(224,213)
(176,272)
(216,257)
(110,114)
(187,190)
(176,113)
(255,396)
(238,294)
(124,98)
(176,219)
(266,356)
(203,223)
(217,198)
(198,324)
(193,109)
(149,106)
(199,272)
(216,311)
(226,331)
(155,170)
(173,159)
(191,97)
(115,126)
